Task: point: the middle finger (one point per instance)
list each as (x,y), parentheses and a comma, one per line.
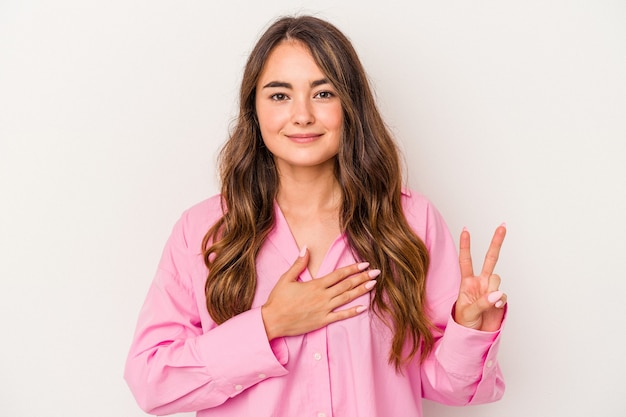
(491,258)
(352,282)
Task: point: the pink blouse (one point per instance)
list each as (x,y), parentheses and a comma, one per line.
(180,360)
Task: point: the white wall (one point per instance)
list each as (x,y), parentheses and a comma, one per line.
(111,114)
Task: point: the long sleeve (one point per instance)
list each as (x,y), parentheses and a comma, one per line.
(174,365)
(462,367)
(180,360)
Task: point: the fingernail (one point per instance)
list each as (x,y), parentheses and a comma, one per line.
(361,309)
(499,304)
(374,273)
(303,251)
(370,284)
(363,266)
(465,229)
(503,225)
(494,296)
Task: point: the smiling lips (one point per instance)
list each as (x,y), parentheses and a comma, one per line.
(304,137)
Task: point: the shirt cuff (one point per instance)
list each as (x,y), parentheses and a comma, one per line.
(244,356)
(467,352)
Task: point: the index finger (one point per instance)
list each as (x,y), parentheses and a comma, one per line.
(342,273)
(494,251)
(465,255)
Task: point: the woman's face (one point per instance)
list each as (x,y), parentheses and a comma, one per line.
(299,113)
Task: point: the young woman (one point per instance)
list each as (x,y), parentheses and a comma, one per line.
(314,284)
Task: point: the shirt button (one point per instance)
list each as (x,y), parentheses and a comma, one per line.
(238,387)
(489,363)
(262,376)
(317,357)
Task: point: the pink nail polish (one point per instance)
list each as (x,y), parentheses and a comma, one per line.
(370,284)
(361,309)
(465,229)
(303,251)
(494,296)
(503,225)
(499,304)
(363,266)
(374,273)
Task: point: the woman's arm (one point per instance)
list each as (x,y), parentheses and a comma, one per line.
(174,365)
(462,367)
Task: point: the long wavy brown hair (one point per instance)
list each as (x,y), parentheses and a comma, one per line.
(367,168)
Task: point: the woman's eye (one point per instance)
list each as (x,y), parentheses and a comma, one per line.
(278,97)
(324,94)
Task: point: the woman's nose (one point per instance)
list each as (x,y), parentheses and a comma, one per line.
(302,112)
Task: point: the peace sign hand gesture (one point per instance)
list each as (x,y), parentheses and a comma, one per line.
(480,302)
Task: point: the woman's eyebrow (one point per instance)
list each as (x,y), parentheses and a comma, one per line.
(319,82)
(273,84)
(282,84)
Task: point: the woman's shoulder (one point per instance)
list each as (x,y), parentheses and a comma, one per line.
(415,202)
(195,221)
(209,207)
(419,211)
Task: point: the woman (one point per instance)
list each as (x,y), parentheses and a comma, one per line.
(373,314)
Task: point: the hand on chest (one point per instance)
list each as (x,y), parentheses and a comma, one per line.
(326,244)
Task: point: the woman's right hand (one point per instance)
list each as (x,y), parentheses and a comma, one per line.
(295,307)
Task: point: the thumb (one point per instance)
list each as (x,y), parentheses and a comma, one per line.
(297,267)
(485,302)
(470,315)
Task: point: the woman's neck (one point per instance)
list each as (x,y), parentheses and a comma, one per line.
(308,191)
(310,201)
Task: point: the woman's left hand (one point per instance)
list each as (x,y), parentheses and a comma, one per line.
(480,304)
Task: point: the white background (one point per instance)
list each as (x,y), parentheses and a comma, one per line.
(111,115)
